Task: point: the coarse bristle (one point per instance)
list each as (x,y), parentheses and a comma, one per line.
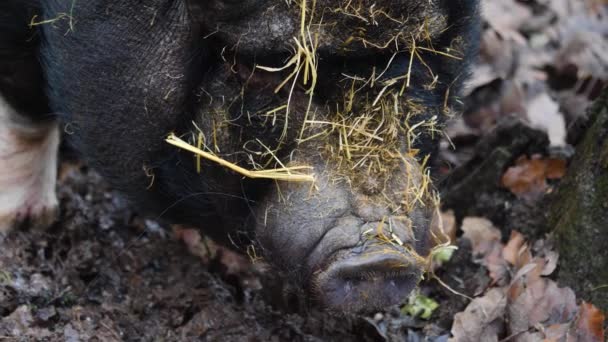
(372,129)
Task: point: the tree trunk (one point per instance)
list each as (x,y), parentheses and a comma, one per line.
(579,213)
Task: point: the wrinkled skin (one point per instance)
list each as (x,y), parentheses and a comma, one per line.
(121,75)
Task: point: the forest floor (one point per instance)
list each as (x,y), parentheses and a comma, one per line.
(103,272)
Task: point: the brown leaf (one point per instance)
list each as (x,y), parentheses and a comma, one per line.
(498,268)
(536,309)
(528,177)
(482,234)
(541,302)
(556,168)
(587,326)
(486,246)
(233,262)
(443,227)
(482,320)
(543,249)
(516,252)
(535,301)
(590,324)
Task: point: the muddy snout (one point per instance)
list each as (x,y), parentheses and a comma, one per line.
(357,247)
(368,278)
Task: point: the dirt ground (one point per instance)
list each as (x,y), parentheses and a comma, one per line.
(103,272)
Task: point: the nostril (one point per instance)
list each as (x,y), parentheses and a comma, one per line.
(366,282)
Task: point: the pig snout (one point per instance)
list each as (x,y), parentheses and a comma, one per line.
(352,249)
(377,268)
(365,279)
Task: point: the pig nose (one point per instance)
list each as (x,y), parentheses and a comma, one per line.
(375,279)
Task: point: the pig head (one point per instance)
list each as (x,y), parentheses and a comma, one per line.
(354,90)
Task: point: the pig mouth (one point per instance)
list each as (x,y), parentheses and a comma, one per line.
(379,277)
(352,252)
(365,272)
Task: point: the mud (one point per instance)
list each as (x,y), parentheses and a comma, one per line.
(104,273)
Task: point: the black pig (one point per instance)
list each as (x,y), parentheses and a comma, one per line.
(354,90)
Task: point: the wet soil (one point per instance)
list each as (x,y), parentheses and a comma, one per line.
(104,273)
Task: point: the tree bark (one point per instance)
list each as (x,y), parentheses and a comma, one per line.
(579,213)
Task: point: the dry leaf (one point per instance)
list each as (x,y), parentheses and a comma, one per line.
(542,302)
(528,178)
(498,268)
(543,114)
(589,325)
(516,252)
(533,299)
(506,17)
(482,320)
(536,309)
(486,247)
(556,168)
(443,228)
(482,234)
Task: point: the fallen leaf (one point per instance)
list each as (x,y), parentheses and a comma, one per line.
(531,307)
(486,247)
(542,302)
(543,114)
(516,252)
(523,278)
(506,17)
(528,178)
(482,320)
(482,234)
(480,76)
(589,325)
(443,227)
(498,268)
(556,168)
(544,249)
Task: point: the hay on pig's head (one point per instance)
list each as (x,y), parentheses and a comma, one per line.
(367,129)
(373,124)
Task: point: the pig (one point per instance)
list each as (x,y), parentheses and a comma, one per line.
(352,93)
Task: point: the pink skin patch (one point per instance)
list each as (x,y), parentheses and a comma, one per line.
(28,170)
